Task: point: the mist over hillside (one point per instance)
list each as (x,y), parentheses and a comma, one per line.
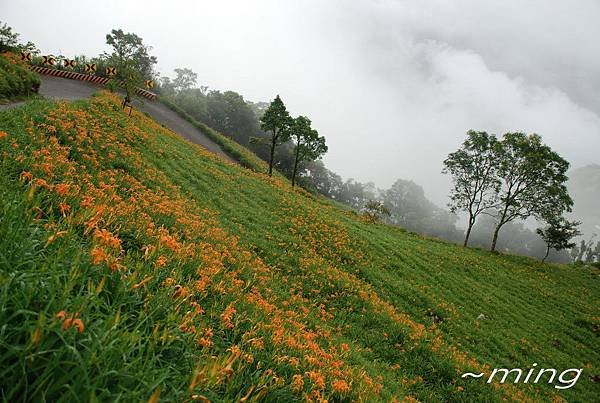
(584,186)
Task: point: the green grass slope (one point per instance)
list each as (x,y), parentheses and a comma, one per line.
(135,265)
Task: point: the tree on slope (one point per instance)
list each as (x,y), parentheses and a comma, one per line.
(129,51)
(9,41)
(276,120)
(374,210)
(309,146)
(473,169)
(532,181)
(130,57)
(8,38)
(558,234)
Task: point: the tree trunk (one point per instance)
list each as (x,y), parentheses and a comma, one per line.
(273,141)
(295,165)
(495,239)
(468,233)
(501,222)
(546,255)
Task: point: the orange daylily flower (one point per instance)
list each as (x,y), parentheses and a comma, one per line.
(297,383)
(70,321)
(64,208)
(26,176)
(98,255)
(227,316)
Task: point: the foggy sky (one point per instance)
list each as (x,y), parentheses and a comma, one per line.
(392,85)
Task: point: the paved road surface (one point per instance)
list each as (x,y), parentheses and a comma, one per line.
(4,107)
(165,116)
(61,88)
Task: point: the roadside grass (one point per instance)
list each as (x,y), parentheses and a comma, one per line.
(134,263)
(241,154)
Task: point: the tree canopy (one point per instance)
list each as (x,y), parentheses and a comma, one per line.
(276,120)
(9,41)
(532,181)
(185,79)
(473,168)
(558,234)
(309,146)
(130,54)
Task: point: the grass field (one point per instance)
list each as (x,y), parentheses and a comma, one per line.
(135,265)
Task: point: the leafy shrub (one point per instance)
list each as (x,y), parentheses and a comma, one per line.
(15,78)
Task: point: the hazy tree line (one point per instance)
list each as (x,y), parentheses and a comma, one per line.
(287,144)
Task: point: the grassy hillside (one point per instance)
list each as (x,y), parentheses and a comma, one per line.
(16,80)
(134,264)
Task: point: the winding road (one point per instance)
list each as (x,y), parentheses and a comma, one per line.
(71,90)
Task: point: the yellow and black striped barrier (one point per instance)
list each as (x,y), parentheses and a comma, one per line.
(69,74)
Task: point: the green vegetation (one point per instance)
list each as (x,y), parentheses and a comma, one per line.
(276,121)
(473,168)
(136,264)
(514,178)
(558,234)
(16,80)
(131,59)
(9,41)
(241,154)
(308,145)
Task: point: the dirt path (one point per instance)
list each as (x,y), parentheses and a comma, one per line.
(60,88)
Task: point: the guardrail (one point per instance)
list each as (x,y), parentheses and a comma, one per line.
(86,77)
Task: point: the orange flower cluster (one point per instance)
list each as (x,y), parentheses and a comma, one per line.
(64,208)
(206,339)
(227,317)
(70,320)
(98,255)
(340,386)
(106,238)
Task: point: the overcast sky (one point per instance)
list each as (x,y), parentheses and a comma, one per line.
(393,85)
